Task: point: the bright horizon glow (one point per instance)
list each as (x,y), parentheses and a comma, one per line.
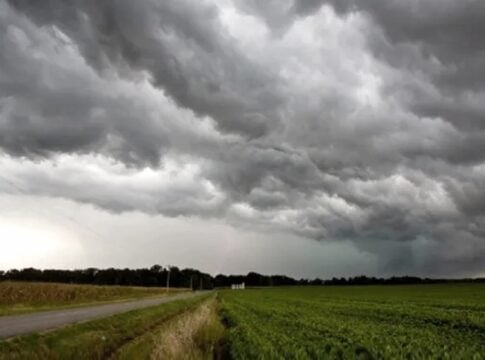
(25,242)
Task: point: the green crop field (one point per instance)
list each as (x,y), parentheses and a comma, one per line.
(372,322)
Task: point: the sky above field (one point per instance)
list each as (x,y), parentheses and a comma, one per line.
(307,137)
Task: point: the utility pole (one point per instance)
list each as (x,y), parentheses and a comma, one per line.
(191,282)
(168,277)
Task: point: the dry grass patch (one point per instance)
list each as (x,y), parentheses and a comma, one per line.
(192,336)
(195,334)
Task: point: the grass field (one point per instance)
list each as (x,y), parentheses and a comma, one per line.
(372,322)
(23,297)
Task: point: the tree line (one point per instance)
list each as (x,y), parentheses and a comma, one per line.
(155,276)
(191,278)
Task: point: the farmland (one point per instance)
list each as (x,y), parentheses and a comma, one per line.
(390,322)
(22,297)
(440,321)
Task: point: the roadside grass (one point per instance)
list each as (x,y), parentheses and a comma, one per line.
(25,297)
(196,334)
(98,339)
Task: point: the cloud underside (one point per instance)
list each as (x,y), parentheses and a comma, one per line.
(358,121)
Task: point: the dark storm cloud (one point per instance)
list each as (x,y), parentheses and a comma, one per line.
(440,39)
(356,121)
(181,45)
(447,29)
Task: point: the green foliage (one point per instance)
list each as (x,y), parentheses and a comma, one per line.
(369,322)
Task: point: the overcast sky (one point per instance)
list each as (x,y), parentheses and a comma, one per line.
(306,137)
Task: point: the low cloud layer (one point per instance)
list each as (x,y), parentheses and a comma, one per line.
(356,122)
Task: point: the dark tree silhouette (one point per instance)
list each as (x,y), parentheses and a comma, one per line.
(195,279)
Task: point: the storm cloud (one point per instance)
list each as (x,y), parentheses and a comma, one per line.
(357,122)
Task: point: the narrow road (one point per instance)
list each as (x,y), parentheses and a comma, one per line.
(14,325)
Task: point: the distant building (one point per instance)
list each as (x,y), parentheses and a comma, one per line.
(238,286)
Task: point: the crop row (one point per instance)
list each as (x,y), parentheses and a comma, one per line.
(368,323)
